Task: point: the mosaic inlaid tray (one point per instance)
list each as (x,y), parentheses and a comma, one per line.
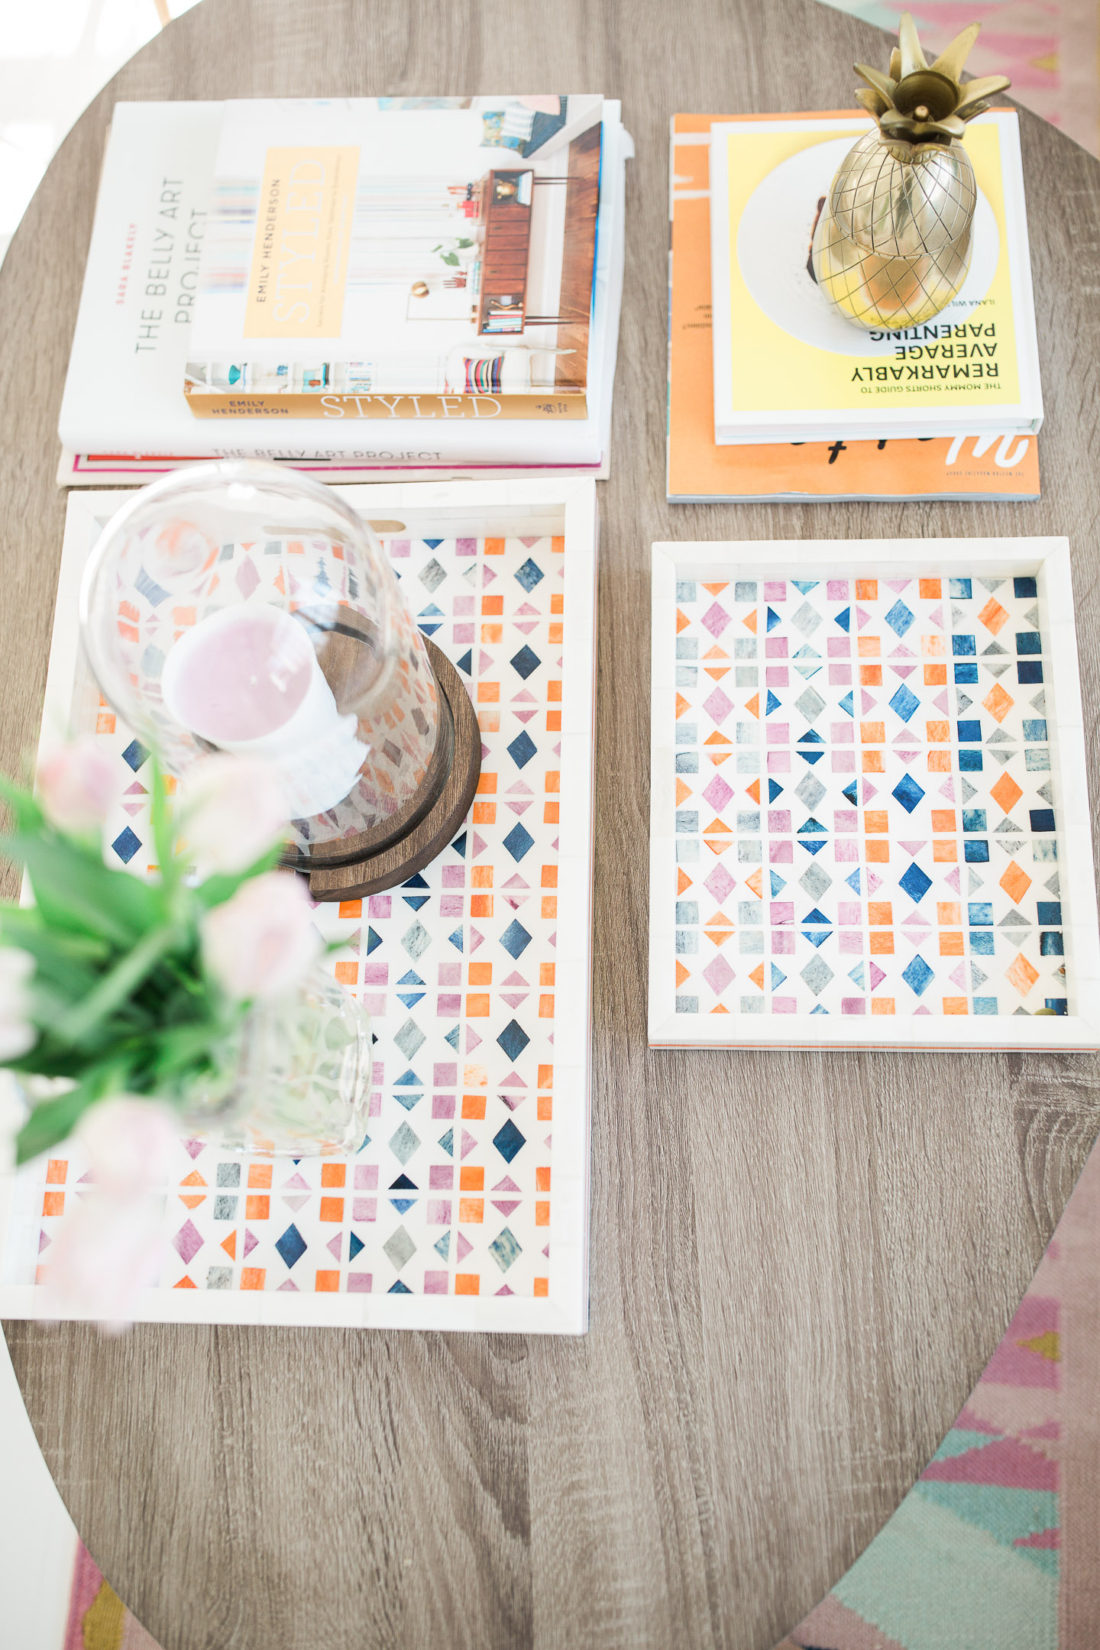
(870,819)
(467,1207)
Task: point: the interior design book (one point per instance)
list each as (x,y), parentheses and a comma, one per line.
(124,390)
(433,256)
(787,367)
(988,465)
(466,1207)
(870,821)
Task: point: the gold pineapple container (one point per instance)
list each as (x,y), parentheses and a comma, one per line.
(893,241)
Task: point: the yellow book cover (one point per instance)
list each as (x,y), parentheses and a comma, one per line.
(786,363)
(990,465)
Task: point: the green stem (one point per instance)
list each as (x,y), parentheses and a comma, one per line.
(119,984)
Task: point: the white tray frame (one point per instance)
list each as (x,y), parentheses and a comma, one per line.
(471,509)
(1046,559)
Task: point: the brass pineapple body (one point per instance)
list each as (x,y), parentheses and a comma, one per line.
(892,245)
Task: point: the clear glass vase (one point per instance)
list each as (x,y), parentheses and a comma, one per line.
(300,1083)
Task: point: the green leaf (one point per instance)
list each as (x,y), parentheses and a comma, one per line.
(25,809)
(76,892)
(51,1121)
(117,986)
(217,889)
(160,819)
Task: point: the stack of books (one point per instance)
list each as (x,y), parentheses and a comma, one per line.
(365,287)
(774,395)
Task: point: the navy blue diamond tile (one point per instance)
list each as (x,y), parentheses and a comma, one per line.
(126,845)
(515,939)
(135,754)
(917,975)
(522,749)
(525,661)
(513,1039)
(907,792)
(899,618)
(904,702)
(518,841)
(915,883)
(508,1140)
(529,574)
(291,1245)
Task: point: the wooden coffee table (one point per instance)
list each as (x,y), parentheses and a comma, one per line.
(800,1262)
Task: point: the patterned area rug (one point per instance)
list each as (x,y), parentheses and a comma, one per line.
(1049,48)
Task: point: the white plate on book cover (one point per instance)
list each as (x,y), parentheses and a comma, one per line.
(773,248)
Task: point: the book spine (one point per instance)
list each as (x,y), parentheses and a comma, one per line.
(557,406)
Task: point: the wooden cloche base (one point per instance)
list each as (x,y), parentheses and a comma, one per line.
(383,864)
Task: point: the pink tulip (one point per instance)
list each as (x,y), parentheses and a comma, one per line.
(77,785)
(107,1250)
(261,943)
(232,809)
(129,1144)
(17,1034)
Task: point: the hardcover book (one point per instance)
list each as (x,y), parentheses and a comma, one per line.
(788,367)
(425,257)
(993,464)
(123,410)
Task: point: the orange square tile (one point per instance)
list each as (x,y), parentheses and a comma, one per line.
(873,762)
(541,1288)
(485,813)
(939,761)
(487,784)
(546,1007)
(882,943)
(542,1178)
(326,1283)
(257,1206)
(467,1283)
(481,905)
(551,813)
(933,647)
(253,1277)
(346,972)
(481,876)
(545,1108)
(332,1208)
(882,1005)
(481,973)
(954,1005)
(475,1075)
(935,675)
(549,876)
(866,590)
(872,733)
(492,633)
(930,589)
(553,693)
(488,720)
(937,733)
(56,1170)
(492,604)
(104,722)
(546,1077)
(550,907)
(473,1105)
(870,675)
(471,1210)
(948,913)
(943,819)
(494,547)
(477,1005)
(553,782)
(555,632)
(557,603)
(553,721)
(351,907)
(488,693)
(259,1174)
(869,647)
(876,821)
(334,1174)
(547,972)
(951,944)
(880,913)
(944,852)
(876,852)
(53,1203)
(471,1179)
(542,1214)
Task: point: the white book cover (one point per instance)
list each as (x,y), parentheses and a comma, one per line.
(124,390)
(788,366)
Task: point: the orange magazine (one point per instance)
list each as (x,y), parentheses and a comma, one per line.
(956,467)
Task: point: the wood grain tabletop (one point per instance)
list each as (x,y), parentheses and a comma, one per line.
(800,1262)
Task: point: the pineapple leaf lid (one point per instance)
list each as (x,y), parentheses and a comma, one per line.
(920,101)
